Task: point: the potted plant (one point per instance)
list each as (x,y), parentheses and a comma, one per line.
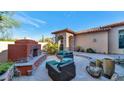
(78,48)
(82,50)
(108,67)
(90,50)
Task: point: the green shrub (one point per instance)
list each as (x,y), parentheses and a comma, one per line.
(4,67)
(82,50)
(78,48)
(107,59)
(51,48)
(90,50)
(7,40)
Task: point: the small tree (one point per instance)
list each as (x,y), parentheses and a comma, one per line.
(6,23)
(51,48)
(48,39)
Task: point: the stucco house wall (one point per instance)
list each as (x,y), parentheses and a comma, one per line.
(103,39)
(114,40)
(97,41)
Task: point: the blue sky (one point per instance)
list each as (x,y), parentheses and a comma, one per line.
(34,24)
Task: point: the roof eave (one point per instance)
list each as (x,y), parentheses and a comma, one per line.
(64,30)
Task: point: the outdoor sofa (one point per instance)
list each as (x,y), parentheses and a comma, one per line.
(64,54)
(61,71)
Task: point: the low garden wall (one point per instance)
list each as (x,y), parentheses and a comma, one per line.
(3,50)
(4,45)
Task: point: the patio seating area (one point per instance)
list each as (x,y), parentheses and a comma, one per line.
(81,62)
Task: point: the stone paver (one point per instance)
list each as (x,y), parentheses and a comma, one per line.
(41,73)
(100,56)
(93,55)
(81,73)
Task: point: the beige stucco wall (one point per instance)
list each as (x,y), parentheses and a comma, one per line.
(114,40)
(86,41)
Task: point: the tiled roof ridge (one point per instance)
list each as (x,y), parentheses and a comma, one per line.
(101,28)
(96,29)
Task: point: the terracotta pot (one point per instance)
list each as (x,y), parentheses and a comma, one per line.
(108,67)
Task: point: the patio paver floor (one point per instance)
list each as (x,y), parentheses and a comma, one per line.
(41,73)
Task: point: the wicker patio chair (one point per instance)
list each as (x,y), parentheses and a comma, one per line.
(62,71)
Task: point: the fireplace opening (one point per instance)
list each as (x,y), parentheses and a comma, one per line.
(35,52)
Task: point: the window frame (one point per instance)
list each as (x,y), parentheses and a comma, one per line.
(121,36)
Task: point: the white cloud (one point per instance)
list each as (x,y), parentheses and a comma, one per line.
(29,20)
(39,21)
(24,31)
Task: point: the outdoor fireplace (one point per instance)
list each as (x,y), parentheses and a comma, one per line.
(27,56)
(35,52)
(23,50)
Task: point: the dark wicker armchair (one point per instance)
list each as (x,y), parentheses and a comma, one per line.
(61,71)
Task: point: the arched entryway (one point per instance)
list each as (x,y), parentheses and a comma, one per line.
(60,40)
(71,43)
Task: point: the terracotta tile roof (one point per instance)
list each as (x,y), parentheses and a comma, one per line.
(92,30)
(115,24)
(102,28)
(64,30)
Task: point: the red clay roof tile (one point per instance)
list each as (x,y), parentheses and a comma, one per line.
(92,30)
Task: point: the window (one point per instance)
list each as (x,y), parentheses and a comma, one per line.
(121,39)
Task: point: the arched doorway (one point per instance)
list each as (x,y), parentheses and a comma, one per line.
(71,43)
(60,40)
